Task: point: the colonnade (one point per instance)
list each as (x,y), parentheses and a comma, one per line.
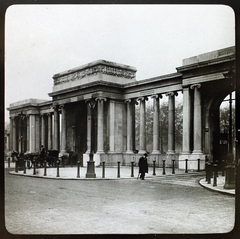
(30,128)
(39,128)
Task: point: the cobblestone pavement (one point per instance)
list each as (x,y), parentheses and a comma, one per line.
(171,204)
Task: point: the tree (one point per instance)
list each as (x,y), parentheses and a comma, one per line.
(163,120)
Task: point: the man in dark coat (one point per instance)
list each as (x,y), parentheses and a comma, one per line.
(143,166)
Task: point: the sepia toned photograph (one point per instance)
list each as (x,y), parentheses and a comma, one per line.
(120,119)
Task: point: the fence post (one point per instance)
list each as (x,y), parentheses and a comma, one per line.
(132,169)
(24,166)
(78,169)
(34,166)
(154,166)
(58,168)
(164,167)
(103,169)
(45,168)
(209,172)
(118,172)
(16,165)
(198,165)
(215,175)
(173,166)
(186,167)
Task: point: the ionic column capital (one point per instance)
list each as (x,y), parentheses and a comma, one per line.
(100,98)
(173,93)
(61,106)
(143,98)
(157,96)
(128,101)
(195,86)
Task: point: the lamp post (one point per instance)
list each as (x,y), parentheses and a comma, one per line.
(90,164)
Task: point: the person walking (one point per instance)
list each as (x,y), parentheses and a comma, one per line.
(143,166)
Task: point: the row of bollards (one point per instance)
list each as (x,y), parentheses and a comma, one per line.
(118,168)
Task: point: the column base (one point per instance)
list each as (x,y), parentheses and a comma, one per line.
(100,152)
(129,152)
(197,152)
(142,151)
(171,152)
(156,152)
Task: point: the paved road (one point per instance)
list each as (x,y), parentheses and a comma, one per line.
(173,204)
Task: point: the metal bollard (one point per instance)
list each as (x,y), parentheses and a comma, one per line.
(34,167)
(103,169)
(9,162)
(223,167)
(78,169)
(132,169)
(58,168)
(198,165)
(173,166)
(154,167)
(186,167)
(118,172)
(16,166)
(209,172)
(164,167)
(24,166)
(215,175)
(45,168)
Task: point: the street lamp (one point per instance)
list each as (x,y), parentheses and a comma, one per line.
(90,164)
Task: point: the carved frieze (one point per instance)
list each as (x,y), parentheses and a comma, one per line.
(108,70)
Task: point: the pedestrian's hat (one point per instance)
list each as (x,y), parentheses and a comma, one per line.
(146,154)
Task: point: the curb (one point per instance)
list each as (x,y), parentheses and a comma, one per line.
(223,191)
(82,178)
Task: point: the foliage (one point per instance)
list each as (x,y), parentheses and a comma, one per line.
(163,121)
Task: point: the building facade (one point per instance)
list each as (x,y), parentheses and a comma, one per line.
(93,110)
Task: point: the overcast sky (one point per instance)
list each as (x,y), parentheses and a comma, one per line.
(42,40)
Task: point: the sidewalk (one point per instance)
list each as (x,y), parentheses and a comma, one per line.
(220,185)
(111,173)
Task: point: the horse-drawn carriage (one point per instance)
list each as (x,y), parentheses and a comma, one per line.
(50,157)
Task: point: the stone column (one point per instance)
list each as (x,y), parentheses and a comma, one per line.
(186,121)
(49,131)
(129,127)
(28,134)
(56,129)
(11,134)
(89,128)
(197,120)
(38,133)
(64,130)
(156,124)
(43,130)
(171,122)
(100,113)
(32,133)
(20,137)
(112,126)
(142,136)
(15,146)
